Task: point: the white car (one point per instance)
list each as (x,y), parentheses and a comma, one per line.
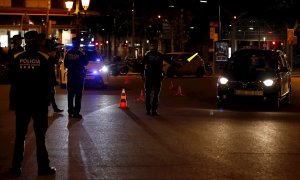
(97,74)
(183,63)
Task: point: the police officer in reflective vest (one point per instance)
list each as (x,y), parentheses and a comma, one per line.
(30,77)
(75,62)
(152,73)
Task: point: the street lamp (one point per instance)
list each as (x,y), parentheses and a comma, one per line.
(69,5)
(85,4)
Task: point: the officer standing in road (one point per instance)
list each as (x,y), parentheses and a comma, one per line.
(152,74)
(75,62)
(17,48)
(47,46)
(30,77)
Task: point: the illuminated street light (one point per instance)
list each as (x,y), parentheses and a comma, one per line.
(69,5)
(85,4)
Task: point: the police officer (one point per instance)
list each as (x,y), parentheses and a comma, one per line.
(75,62)
(152,74)
(47,46)
(30,73)
(17,48)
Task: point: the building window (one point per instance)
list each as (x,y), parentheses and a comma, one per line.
(17,3)
(57,4)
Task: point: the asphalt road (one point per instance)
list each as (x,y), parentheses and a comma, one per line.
(191,139)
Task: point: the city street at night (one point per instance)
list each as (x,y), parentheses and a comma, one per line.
(190,139)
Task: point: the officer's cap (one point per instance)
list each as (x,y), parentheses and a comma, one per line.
(31,35)
(17,37)
(153,41)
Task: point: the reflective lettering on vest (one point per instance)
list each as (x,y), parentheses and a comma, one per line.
(73,56)
(29,63)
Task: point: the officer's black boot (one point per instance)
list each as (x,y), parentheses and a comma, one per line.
(46,171)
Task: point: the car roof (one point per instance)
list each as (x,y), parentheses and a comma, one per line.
(180,53)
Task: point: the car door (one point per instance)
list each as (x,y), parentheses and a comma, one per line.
(184,68)
(284,75)
(195,63)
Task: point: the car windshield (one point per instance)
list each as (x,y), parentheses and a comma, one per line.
(93,56)
(244,61)
(171,58)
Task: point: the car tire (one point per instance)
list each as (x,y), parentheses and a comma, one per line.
(275,101)
(288,98)
(220,104)
(200,72)
(170,72)
(208,71)
(124,70)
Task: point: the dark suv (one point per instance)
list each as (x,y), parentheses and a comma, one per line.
(255,75)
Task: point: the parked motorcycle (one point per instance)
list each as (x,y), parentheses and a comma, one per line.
(117,67)
(208,69)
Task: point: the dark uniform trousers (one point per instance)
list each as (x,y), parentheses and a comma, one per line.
(75,88)
(152,84)
(40,125)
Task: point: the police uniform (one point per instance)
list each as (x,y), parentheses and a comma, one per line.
(30,73)
(153,74)
(75,62)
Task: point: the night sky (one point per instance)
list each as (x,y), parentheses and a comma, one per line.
(258,8)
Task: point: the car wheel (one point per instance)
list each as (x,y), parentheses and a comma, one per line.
(275,102)
(220,104)
(288,98)
(179,75)
(208,71)
(170,72)
(124,70)
(200,72)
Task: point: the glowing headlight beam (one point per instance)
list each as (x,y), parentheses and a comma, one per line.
(268,82)
(223,80)
(104,69)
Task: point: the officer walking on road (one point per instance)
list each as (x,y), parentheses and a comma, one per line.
(152,74)
(75,62)
(30,77)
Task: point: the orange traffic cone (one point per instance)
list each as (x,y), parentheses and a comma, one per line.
(179,93)
(171,85)
(142,97)
(123,103)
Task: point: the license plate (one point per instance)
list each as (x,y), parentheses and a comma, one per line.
(89,77)
(248,93)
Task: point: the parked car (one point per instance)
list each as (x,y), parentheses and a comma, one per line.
(97,74)
(183,63)
(254,75)
(118,67)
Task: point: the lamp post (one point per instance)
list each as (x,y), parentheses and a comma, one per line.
(69,5)
(219,34)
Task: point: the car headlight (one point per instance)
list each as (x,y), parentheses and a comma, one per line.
(95,72)
(104,69)
(223,80)
(268,82)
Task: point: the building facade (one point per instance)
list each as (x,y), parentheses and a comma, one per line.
(45,16)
